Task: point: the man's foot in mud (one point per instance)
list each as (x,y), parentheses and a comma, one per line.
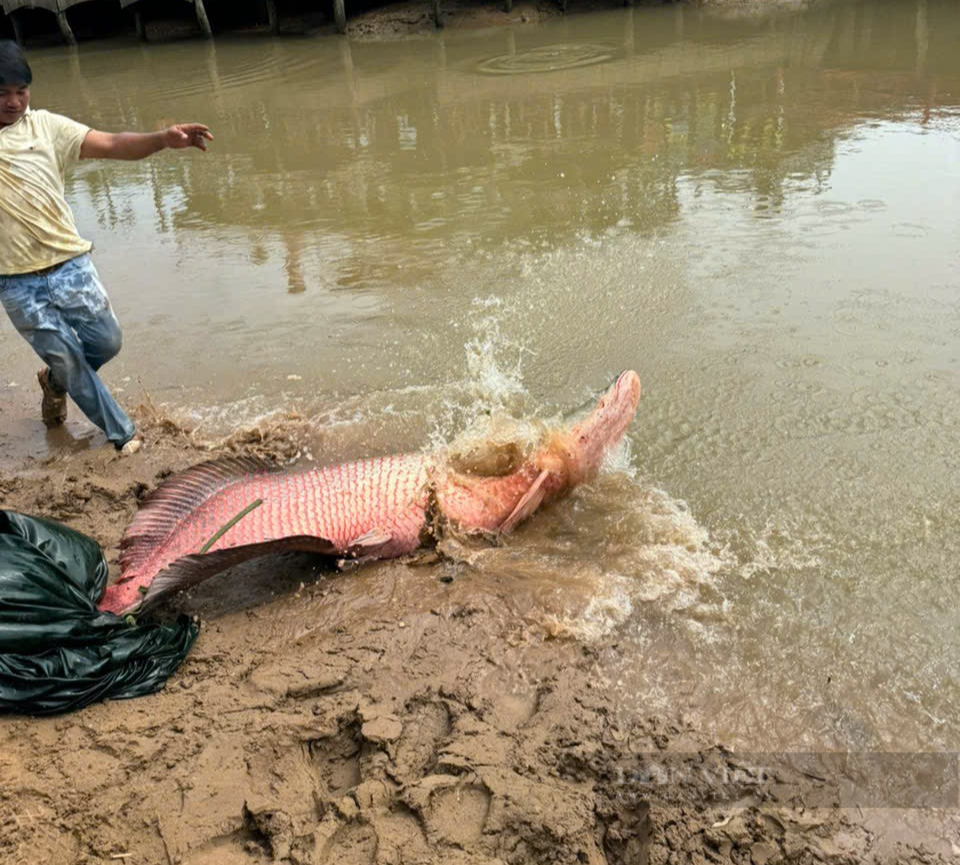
(131,446)
(53,408)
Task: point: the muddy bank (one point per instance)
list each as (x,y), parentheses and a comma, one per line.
(417,16)
(421,725)
(391,20)
(397,20)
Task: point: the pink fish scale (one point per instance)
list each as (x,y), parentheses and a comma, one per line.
(339,503)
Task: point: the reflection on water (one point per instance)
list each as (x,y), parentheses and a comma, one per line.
(758,215)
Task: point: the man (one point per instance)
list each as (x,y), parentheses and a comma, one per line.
(48,284)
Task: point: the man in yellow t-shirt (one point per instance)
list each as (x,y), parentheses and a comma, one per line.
(48,284)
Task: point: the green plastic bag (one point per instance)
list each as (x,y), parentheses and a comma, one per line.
(58,652)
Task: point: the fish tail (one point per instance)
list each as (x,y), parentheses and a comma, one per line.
(165,510)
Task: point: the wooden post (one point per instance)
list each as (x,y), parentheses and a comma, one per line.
(340,15)
(202,19)
(141,28)
(273,19)
(17,32)
(563,6)
(508,6)
(436,14)
(65,29)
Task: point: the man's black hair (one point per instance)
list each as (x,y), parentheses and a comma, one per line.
(14,68)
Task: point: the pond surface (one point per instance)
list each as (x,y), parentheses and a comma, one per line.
(760,216)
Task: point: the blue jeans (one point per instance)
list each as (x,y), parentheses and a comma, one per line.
(65,315)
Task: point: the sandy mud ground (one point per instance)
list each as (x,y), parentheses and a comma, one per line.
(420,726)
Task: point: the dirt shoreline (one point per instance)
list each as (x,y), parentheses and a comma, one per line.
(426,729)
(414,17)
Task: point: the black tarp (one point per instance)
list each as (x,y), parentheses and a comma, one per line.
(58,652)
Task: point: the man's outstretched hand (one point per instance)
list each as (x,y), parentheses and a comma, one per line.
(187,135)
(138,145)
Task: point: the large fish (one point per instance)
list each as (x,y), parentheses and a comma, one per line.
(378,508)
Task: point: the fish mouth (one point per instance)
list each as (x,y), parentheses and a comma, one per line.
(627,387)
(608,422)
(613,413)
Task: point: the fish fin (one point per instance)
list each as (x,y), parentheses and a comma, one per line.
(374,538)
(364,548)
(530,501)
(175,499)
(189,570)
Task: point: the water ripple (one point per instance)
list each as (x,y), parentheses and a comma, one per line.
(548,58)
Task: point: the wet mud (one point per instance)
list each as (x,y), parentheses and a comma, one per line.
(435,730)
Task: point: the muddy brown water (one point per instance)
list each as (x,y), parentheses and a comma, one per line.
(403,240)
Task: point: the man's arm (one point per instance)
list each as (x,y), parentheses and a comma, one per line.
(138,145)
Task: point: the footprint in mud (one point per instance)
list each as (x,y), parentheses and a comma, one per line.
(353,843)
(453,812)
(335,760)
(425,728)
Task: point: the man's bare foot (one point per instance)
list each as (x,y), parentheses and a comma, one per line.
(53,408)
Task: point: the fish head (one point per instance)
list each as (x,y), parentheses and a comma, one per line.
(577,453)
(496,502)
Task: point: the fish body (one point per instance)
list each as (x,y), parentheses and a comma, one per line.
(377,508)
(376,505)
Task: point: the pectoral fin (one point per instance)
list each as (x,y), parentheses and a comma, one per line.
(364,548)
(189,570)
(530,501)
(370,540)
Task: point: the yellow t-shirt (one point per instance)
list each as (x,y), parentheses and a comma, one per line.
(36,226)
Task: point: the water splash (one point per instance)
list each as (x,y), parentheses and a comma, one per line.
(490,403)
(615,548)
(494,362)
